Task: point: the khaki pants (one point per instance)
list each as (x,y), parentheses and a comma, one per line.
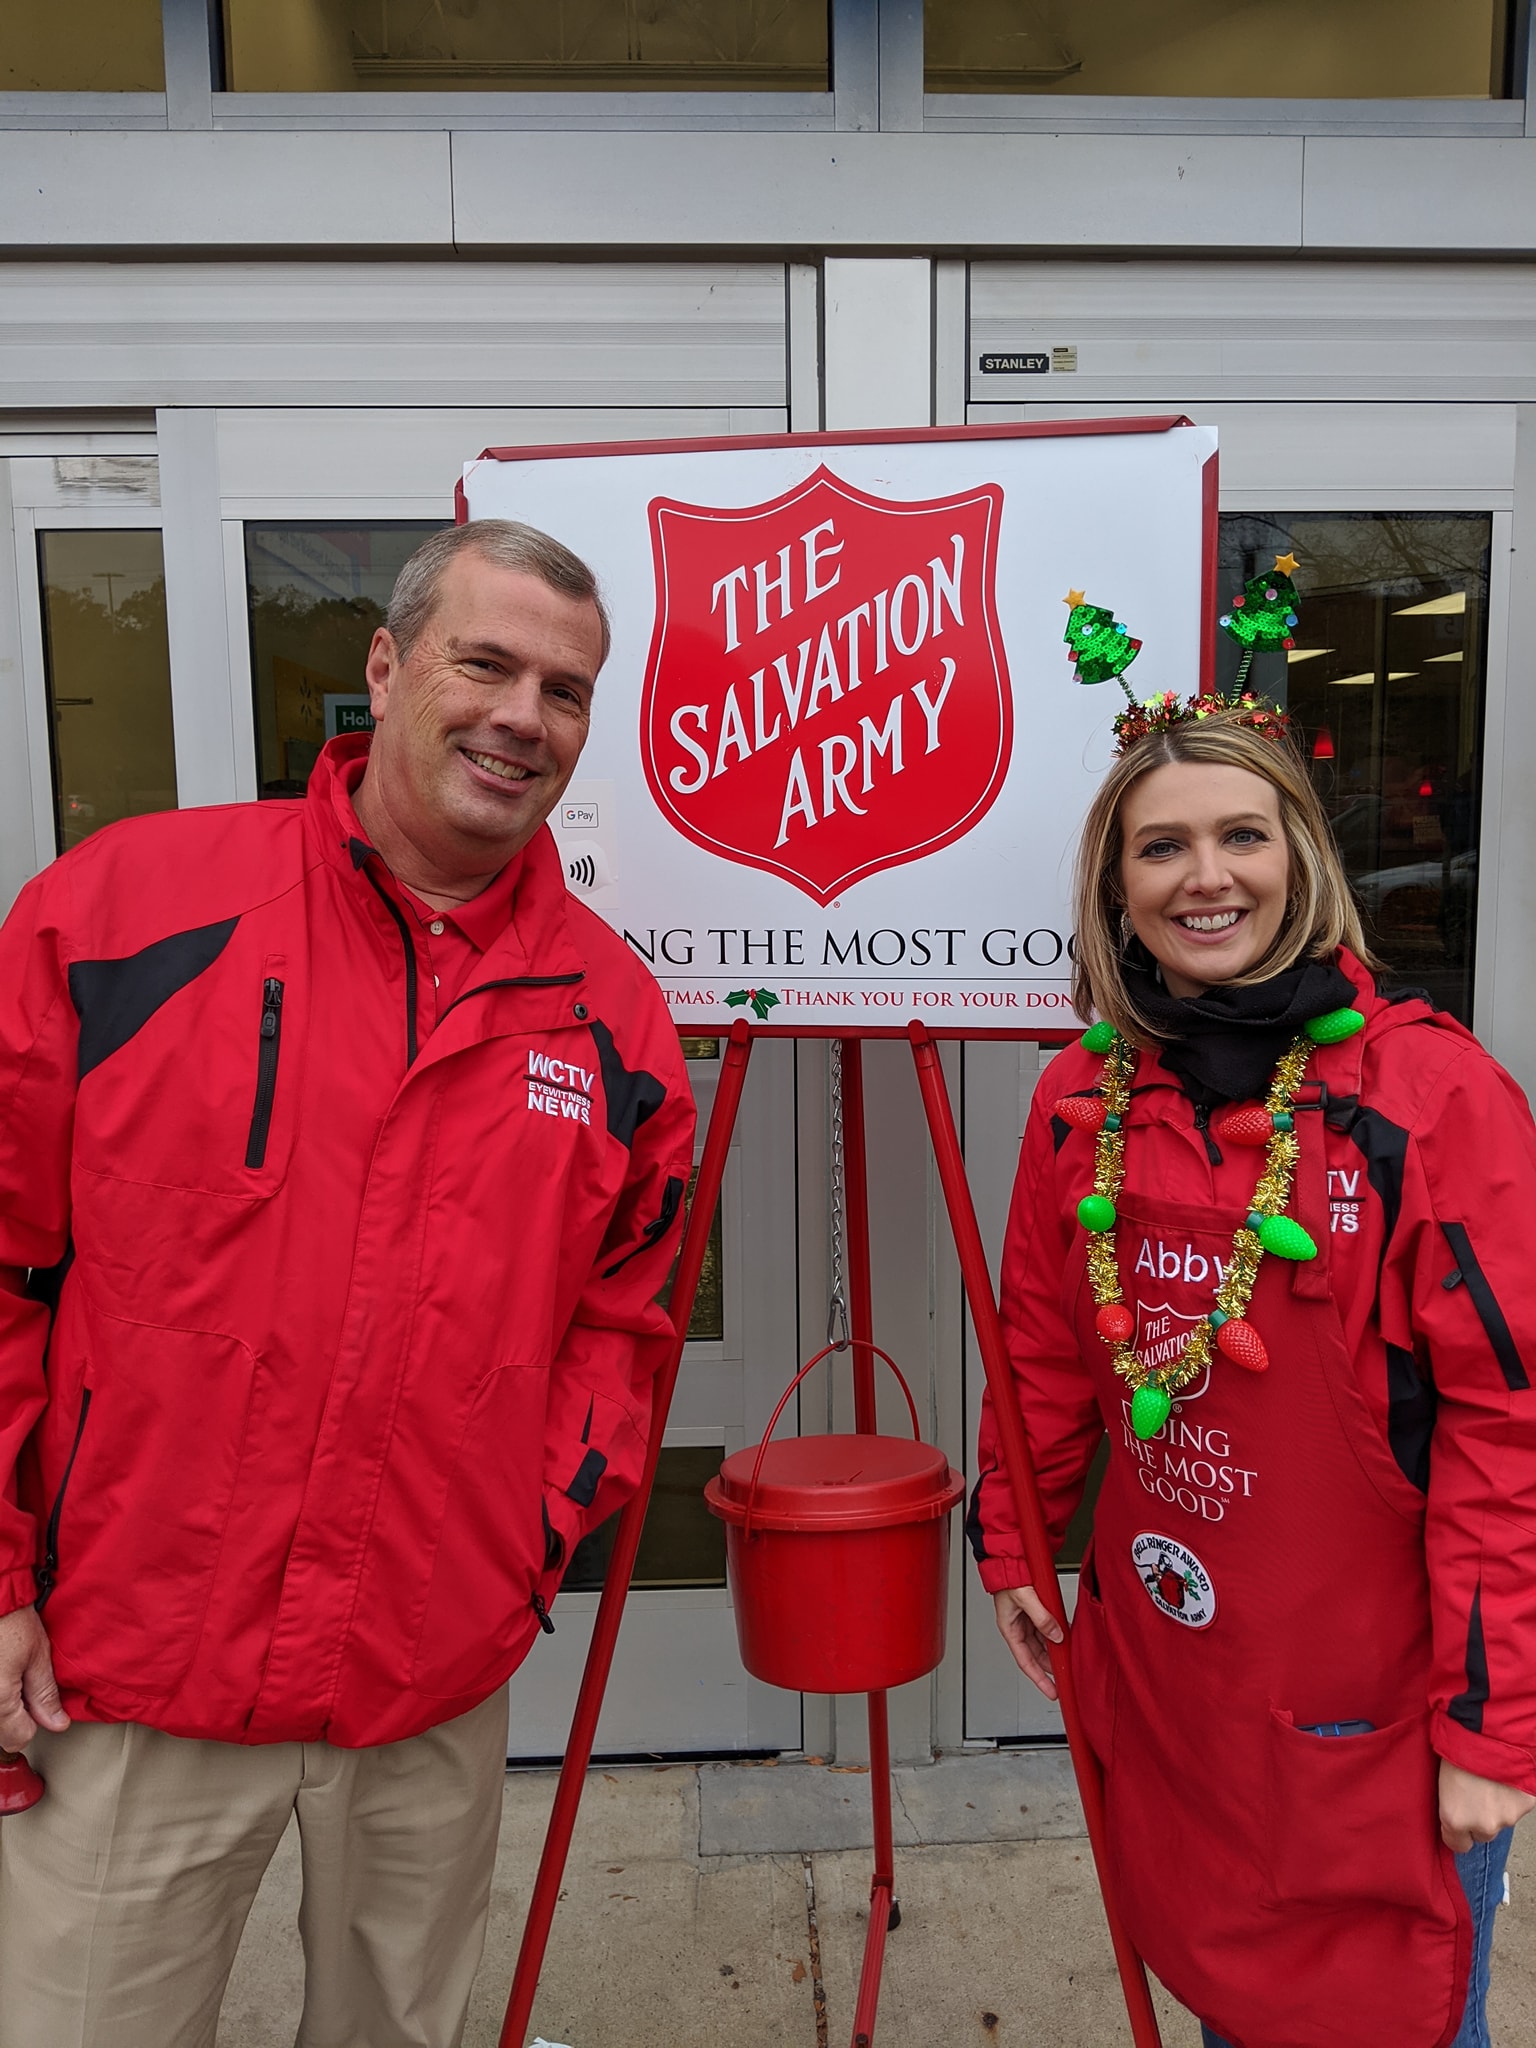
(124,1892)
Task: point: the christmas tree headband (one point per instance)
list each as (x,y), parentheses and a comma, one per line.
(1264,615)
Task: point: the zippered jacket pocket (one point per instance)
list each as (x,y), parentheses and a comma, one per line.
(269,1049)
(48,1571)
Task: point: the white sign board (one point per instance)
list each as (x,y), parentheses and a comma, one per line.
(838,755)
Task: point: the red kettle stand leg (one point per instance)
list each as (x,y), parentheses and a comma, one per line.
(1026,1493)
(610,1611)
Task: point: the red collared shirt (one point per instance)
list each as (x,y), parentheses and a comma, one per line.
(456,940)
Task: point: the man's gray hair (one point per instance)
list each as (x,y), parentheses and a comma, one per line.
(506,543)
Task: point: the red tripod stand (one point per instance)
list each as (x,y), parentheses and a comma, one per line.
(884,1914)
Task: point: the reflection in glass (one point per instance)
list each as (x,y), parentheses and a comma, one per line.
(682,1543)
(537,45)
(316,592)
(1238,49)
(708,1319)
(1075,1538)
(108,672)
(81,46)
(1385,690)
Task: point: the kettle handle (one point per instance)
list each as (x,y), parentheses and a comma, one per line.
(825,1352)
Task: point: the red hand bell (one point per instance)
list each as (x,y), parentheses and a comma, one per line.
(20,1786)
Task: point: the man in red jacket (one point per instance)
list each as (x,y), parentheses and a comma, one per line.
(341,1159)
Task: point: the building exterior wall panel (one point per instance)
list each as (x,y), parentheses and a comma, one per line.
(206,192)
(669,334)
(886,191)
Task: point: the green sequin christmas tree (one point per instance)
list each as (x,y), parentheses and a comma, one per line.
(1097,644)
(1264,615)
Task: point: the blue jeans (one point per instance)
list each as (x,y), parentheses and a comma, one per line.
(1481,1872)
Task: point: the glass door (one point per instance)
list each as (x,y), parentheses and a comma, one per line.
(95,661)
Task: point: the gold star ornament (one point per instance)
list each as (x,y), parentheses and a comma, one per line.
(1286,564)
(1074,598)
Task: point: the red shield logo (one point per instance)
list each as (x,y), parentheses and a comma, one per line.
(827,693)
(1161,1334)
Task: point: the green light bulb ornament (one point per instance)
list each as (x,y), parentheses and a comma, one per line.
(1150,1409)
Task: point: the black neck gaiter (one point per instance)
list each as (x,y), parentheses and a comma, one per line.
(1223,1045)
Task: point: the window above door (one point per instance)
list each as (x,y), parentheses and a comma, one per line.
(1204,49)
(536,46)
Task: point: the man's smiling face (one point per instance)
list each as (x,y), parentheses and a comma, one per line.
(481,724)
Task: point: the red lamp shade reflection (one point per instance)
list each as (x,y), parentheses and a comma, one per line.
(1322,746)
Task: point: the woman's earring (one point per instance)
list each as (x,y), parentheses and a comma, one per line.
(1127,929)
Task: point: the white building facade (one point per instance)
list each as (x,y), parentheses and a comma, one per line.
(270,274)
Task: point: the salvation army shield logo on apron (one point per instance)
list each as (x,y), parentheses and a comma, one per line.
(826,694)
(1161,1334)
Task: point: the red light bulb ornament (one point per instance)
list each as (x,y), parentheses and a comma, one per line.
(1083,1112)
(1115,1323)
(1250,1123)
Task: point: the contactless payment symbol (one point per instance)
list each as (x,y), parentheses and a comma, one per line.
(1177,1583)
(826,694)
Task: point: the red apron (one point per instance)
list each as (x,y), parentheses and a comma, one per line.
(1257,1568)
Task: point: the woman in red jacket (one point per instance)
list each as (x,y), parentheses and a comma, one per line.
(1270,1232)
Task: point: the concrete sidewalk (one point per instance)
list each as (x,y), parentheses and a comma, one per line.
(727,1904)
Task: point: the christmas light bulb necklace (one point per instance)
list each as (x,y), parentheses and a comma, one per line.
(1265,1228)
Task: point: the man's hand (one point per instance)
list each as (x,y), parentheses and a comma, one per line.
(1476,1809)
(1027,1627)
(29,1696)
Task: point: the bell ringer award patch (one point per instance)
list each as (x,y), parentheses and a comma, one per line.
(1177,1583)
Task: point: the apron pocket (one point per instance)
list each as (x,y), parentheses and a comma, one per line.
(1094,1671)
(1353,1817)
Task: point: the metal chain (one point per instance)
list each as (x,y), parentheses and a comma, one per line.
(837,1305)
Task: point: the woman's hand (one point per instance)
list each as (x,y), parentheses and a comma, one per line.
(1471,1809)
(1026,1629)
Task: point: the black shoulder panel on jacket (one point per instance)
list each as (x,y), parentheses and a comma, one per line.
(632,1097)
(1411,1405)
(115,998)
(1384,1145)
(1467,1707)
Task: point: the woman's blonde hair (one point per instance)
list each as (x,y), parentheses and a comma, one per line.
(1321,914)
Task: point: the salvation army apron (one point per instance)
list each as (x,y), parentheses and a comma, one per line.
(1258,1569)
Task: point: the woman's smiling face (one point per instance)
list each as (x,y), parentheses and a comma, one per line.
(1205,870)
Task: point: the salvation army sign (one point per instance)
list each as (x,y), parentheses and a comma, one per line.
(890,601)
(838,757)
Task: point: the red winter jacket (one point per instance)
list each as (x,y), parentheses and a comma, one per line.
(1430,1161)
(339,1328)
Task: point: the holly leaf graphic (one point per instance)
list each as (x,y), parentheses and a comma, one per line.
(762,1000)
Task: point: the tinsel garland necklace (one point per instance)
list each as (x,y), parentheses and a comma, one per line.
(1265,1228)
